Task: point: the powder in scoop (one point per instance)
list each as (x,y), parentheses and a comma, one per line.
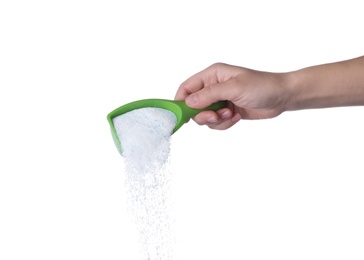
(145,137)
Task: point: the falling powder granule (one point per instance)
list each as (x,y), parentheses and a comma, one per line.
(145,140)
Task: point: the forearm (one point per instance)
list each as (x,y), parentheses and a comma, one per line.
(328,85)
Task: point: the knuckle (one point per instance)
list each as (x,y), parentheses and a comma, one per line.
(199,121)
(217,66)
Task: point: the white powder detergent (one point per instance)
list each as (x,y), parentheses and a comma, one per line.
(145,140)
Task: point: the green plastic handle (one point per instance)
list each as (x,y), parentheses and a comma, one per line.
(185,113)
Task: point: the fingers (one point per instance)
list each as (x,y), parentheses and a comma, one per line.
(193,84)
(228,90)
(213,84)
(211,75)
(220,120)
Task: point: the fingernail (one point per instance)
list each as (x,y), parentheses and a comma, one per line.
(192,100)
(211,120)
(225,115)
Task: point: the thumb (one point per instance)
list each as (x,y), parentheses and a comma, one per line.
(211,94)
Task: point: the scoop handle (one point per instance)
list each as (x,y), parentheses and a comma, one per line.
(189,112)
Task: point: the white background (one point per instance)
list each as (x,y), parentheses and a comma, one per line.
(285,188)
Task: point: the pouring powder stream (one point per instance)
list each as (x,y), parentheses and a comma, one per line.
(145,139)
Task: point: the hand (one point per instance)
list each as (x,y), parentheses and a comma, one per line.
(250,94)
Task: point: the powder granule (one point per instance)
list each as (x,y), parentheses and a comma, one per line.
(145,137)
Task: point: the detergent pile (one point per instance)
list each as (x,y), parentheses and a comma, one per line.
(145,140)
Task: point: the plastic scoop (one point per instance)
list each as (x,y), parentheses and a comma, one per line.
(178,107)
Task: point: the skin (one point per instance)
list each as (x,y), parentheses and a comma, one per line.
(253,94)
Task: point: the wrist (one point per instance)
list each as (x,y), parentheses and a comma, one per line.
(296,99)
(306,89)
(290,83)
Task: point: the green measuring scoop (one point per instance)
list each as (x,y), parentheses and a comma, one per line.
(178,107)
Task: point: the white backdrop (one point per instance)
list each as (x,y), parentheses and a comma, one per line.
(285,188)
